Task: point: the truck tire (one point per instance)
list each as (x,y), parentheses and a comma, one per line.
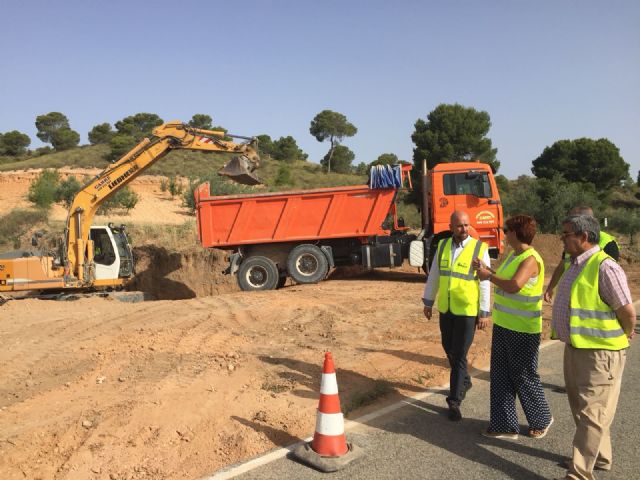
(258,273)
(307,264)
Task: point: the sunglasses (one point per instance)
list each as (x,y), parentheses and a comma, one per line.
(506,230)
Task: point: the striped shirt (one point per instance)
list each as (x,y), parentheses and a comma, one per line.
(614,290)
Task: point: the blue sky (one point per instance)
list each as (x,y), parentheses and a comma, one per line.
(544,70)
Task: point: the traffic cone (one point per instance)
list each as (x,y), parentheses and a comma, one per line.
(329,450)
(329,439)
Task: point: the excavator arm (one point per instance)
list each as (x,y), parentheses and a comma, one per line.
(77,254)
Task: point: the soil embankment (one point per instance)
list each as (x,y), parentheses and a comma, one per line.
(208,375)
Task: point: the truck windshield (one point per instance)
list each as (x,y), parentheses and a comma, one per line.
(470,183)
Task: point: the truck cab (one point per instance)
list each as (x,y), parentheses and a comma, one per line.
(467,186)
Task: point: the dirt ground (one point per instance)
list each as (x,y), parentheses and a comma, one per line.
(14,187)
(207,376)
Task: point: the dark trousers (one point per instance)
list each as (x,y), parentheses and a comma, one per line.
(457,335)
(514,372)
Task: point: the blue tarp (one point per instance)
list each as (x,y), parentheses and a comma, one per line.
(385,176)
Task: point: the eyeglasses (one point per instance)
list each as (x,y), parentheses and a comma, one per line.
(564,235)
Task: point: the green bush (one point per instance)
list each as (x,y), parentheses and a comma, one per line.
(123,199)
(67,190)
(43,190)
(16,223)
(175,187)
(217,186)
(284,176)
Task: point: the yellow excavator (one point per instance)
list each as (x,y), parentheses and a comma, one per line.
(99,257)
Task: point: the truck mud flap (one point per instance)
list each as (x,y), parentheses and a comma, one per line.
(328,252)
(234,264)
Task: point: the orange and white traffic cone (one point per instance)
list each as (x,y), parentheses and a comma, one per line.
(329,439)
(329,450)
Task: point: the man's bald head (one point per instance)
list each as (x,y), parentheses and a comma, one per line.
(459,225)
(459,216)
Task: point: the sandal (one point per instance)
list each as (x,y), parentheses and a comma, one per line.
(533,433)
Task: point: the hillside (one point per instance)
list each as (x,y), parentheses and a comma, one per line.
(187,164)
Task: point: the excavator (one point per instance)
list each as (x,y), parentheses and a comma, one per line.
(99,257)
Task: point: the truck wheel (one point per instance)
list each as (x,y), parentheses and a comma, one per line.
(307,264)
(258,273)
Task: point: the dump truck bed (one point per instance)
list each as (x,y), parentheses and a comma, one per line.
(336,212)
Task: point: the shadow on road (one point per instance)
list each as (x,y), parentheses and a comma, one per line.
(462,439)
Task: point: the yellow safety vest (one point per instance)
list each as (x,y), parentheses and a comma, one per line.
(458,288)
(593,323)
(522,311)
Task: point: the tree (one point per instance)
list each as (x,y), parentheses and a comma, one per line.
(50,123)
(504,186)
(453,133)
(42,191)
(333,126)
(547,200)
(139,125)
(384,159)
(583,160)
(286,149)
(101,133)
(342,158)
(361,169)
(14,143)
(265,145)
(200,120)
(120,144)
(626,221)
(64,139)
(67,190)
(638,179)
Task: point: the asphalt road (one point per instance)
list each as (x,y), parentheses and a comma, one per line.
(417,441)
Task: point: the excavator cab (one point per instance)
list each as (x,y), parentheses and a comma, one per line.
(240,170)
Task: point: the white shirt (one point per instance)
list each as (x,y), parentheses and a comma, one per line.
(433,280)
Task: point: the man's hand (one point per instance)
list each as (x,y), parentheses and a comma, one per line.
(483,323)
(428,311)
(548,295)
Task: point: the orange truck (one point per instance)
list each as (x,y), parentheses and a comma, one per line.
(302,234)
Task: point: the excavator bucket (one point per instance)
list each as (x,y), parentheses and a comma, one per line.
(240,170)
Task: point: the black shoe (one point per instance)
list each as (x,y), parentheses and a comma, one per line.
(454,413)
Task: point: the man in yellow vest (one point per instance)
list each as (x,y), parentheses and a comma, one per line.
(593,315)
(607,243)
(463,302)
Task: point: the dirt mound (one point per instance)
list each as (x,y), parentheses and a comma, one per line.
(549,246)
(171,275)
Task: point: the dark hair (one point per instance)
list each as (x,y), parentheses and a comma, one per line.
(524,226)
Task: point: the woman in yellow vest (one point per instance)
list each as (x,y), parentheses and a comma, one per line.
(517,319)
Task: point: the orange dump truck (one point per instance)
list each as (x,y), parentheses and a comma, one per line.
(302,234)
